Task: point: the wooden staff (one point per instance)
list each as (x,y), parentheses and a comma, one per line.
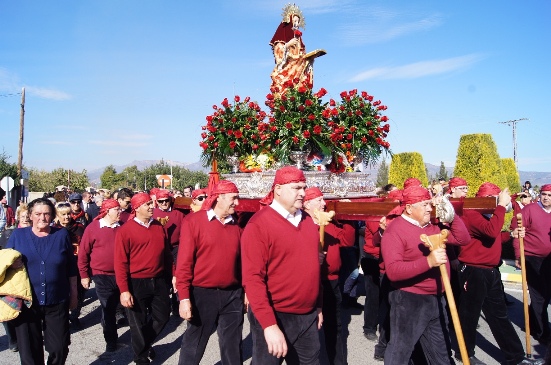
(323,219)
(440,242)
(524,289)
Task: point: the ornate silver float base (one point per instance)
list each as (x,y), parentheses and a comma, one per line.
(345,185)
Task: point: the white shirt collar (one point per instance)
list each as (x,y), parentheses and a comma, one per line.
(103,223)
(413,221)
(211,215)
(293,218)
(146,225)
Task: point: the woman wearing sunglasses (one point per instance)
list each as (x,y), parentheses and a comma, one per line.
(198,197)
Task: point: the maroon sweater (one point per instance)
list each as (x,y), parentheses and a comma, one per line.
(209,254)
(336,236)
(537,241)
(405,255)
(173,225)
(141,253)
(484,249)
(97,251)
(372,230)
(281,270)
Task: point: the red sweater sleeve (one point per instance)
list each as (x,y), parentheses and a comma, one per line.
(85,250)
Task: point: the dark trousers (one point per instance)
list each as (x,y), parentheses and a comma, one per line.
(332,327)
(10,333)
(538,272)
(482,291)
(372,279)
(108,295)
(301,333)
(417,317)
(174,300)
(81,293)
(384,315)
(148,316)
(220,309)
(54,321)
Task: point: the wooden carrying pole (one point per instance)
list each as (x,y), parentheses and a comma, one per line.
(524,289)
(439,241)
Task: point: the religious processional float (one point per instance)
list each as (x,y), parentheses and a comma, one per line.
(329,140)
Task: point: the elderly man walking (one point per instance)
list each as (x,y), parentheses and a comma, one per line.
(281,275)
(414,271)
(208,278)
(143,270)
(536,222)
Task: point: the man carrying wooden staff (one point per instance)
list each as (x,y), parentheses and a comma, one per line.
(536,222)
(417,306)
(480,280)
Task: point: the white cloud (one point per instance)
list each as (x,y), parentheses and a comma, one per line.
(419,69)
(47,93)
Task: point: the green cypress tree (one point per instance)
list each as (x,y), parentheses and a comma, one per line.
(405,165)
(511,173)
(382,174)
(478,162)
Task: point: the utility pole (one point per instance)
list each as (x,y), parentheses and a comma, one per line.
(21,133)
(514,124)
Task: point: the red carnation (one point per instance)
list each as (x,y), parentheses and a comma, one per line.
(349,136)
(312,117)
(332,102)
(232,144)
(237,98)
(238,134)
(302,89)
(306,134)
(317,129)
(308,102)
(295,139)
(288,125)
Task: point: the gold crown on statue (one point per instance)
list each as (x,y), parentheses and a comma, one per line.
(292,9)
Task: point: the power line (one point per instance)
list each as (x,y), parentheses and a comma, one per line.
(9,95)
(514,124)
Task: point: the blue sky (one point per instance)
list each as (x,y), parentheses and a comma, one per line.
(108,82)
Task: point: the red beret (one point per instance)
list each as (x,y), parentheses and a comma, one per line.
(488,189)
(105,206)
(396,194)
(312,193)
(415,194)
(197,192)
(139,199)
(457,181)
(285,175)
(412,182)
(223,187)
(546,187)
(163,194)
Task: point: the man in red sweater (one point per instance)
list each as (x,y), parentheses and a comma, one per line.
(480,280)
(143,270)
(337,235)
(414,271)
(281,275)
(536,222)
(171,219)
(208,277)
(96,259)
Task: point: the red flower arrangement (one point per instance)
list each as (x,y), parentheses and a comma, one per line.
(297,121)
(358,128)
(237,128)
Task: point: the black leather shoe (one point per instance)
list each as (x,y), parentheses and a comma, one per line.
(473,360)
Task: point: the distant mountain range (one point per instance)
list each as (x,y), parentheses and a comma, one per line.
(536,178)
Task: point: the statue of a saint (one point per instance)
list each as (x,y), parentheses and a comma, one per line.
(293,66)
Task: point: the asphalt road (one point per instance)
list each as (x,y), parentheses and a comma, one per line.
(88,345)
